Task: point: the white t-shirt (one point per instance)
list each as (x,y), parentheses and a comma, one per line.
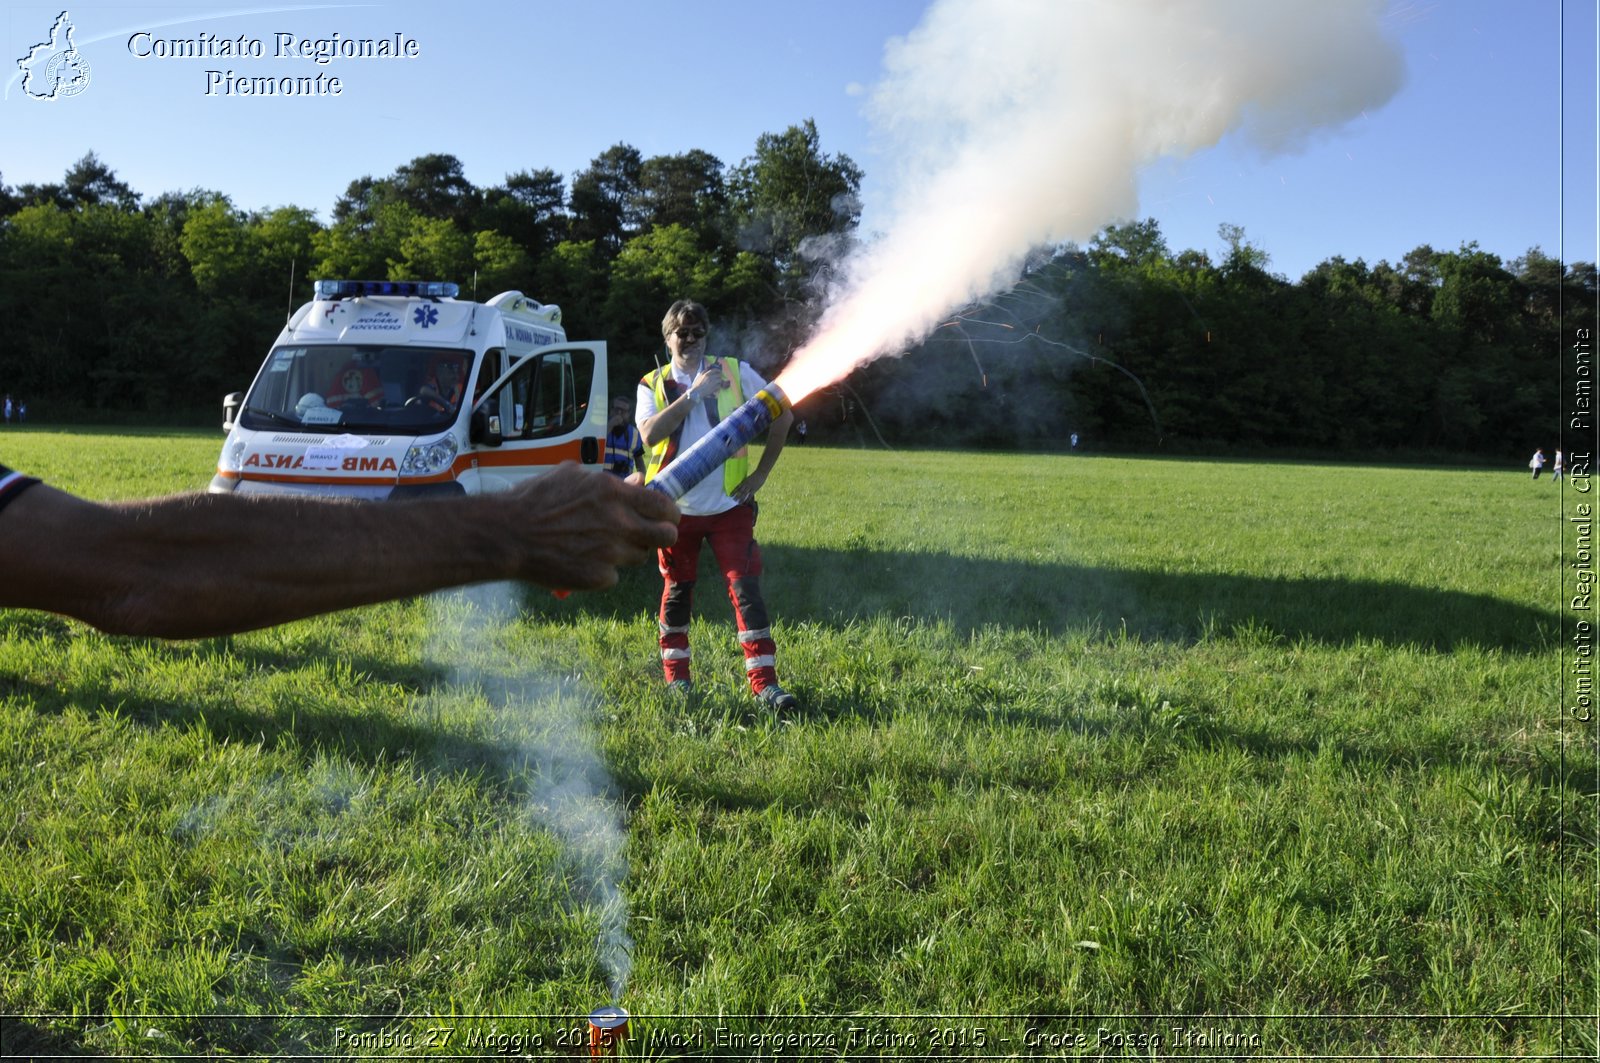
(708,497)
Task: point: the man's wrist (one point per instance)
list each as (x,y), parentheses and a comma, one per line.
(494,538)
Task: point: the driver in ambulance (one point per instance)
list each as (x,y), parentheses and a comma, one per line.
(442,391)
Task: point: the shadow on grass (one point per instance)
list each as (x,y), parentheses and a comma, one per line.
(23,1039)
(312,722)
(839,586)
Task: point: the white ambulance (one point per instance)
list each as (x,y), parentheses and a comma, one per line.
(393,389)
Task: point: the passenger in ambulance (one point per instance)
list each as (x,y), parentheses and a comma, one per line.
(356,387)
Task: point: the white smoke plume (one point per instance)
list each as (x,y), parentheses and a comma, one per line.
(1015,124)
(549,728)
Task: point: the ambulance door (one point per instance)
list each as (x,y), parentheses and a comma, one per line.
(552,408)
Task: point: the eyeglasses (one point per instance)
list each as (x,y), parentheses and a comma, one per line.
(690,334)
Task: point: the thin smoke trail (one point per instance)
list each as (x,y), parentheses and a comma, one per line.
(1024,337)
(1016,124)
(552,740)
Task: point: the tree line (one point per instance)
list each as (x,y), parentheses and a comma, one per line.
(114,302)
(1129,345)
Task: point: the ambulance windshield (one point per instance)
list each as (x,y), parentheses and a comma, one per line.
(364,388)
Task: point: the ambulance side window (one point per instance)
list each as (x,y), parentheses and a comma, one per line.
(494,363)
(550,394)
(491,366)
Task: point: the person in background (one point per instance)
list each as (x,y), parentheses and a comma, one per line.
(200,565)
(678,404)
(1555,467)
(624,445)
(1536,462)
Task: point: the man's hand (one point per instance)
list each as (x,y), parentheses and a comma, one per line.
(707,383)
(746,491)
(576,528)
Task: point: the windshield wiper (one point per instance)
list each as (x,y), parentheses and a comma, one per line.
(274,416)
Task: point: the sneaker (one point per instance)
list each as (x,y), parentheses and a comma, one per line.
(778,698)
(681,687)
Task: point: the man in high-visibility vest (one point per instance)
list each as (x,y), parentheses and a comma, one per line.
(677,404)
(624,445)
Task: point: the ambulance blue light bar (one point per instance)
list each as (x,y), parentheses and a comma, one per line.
(334,289)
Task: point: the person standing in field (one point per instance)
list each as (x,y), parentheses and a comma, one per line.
(1555,467)
(678,404)
(1536,462)
(624,445)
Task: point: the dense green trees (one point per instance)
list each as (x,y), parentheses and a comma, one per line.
(112,302)
(1131,346)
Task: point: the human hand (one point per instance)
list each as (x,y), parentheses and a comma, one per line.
(573,529)
(746,491)
(707,383)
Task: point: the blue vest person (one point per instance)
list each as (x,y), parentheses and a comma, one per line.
(624,444)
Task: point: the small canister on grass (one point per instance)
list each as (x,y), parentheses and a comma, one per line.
(608,1028)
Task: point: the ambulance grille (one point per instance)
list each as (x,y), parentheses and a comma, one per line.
(311,441)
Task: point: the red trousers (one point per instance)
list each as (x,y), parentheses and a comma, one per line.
(733,543)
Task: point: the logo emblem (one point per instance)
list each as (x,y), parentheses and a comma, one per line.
(425,316)
(55,69)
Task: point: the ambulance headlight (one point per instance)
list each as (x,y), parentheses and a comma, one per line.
(430,459)
(232,456)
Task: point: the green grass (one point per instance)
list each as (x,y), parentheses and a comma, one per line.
(1092,747)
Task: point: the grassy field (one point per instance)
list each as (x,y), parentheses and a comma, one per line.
(1098,756)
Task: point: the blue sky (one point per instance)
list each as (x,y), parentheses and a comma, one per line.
(1471,147)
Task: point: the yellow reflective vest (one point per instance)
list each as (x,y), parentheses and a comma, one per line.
(729,398)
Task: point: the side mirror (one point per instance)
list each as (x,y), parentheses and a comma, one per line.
(230,409)
(484,429)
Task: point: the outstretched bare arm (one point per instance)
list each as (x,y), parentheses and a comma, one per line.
(191,566)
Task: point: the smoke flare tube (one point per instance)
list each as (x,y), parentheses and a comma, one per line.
(711,450)
(608,1028)
(722,442)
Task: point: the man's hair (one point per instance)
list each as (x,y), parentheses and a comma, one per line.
(684,312)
